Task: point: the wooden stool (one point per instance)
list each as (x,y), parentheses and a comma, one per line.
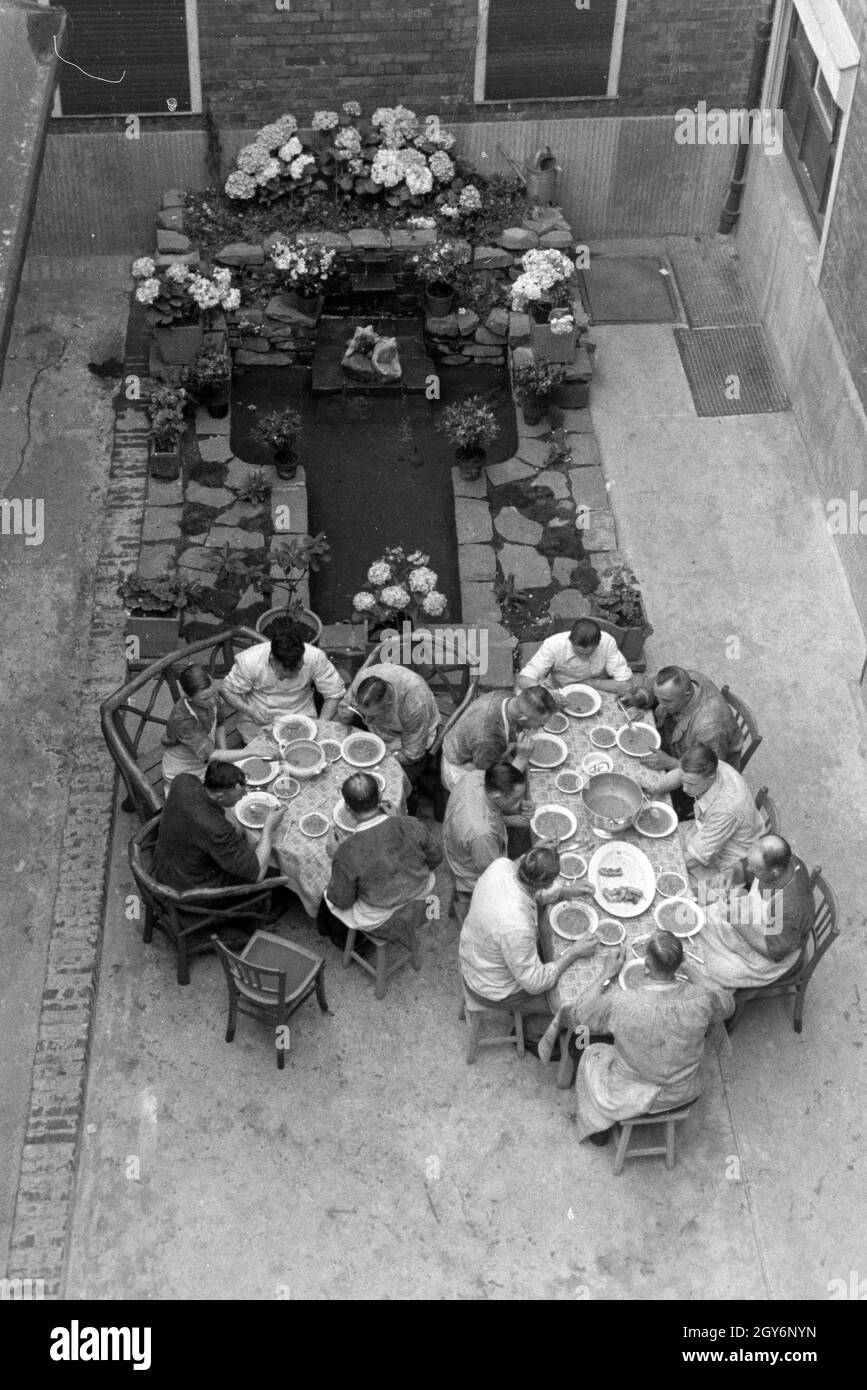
(405,922)
(474,1013)
(668,1118)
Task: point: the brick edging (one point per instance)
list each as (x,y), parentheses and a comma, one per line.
(42,1221)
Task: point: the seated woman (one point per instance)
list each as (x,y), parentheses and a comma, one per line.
(659,1032)
(195,735)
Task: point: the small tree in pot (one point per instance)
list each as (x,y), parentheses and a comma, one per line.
(619,599)
(438,268)
(207,380)
(470,426)
(295,557)
(279,431)
(166,413)
(534,386)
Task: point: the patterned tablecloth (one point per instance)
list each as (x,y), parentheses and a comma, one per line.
(303,860)
(663,854)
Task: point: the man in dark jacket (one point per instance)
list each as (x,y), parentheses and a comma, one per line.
(197,847)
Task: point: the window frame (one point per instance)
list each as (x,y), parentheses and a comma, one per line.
(611,94)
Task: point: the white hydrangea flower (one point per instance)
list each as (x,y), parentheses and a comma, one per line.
(441,167)
(297,167)
(178,273)
(433,604)
(385,168)
(287,125)
(231,299)
(252,158)
(395,596)
(325,120)
(147,291)
(422,580)
(204,292)
(470,199)
(419,181)
(143,267)
(240,185)
(417,558)
(271,136)
(562,324)
(272,170)
(356,166)
(363,602)
(449,210)
(223,275)
(351,108)
(428,223)
(347,142)
(290,150)
(379,573)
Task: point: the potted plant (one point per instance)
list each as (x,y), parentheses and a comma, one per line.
(437,269)
(207,380)
(294,557)
(469,426)
(154,608)
(166,412)
(534,384)
(556,340)
(305,268)
(619,599)
(399,588)
(278,431)
(546,283)
(181,304)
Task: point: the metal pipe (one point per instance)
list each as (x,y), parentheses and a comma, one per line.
(732,208)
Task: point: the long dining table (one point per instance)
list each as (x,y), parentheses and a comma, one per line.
(664,853)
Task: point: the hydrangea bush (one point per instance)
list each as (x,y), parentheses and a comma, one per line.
(181,295)
(400,587)
(546,278)
(304,266)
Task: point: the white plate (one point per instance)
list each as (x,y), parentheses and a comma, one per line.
(313,834)
(253,799)
(696,912)
(611,922)
(605,741)
(562,749)
(574,855)
(567,773)
(679,892)
(561,811)
(670,820)
(593,763)
(585,690)
(559,908)
(349,757)
(299,726)
(331,747)
(637,725)
(557,724)
(638,872)
(265,778)
(643,940)
(342,816)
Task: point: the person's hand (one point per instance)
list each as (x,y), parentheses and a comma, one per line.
(524,742)
(575,889)
(659,762)
(579,949)
(559,698)
(388,806)
(527,807)
(274,817)
(621,956)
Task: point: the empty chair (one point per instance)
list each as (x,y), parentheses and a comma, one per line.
(399,933)
(269,980)
(767,809)
(746,722)
(669,1119)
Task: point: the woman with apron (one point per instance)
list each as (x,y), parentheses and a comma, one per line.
(195,734)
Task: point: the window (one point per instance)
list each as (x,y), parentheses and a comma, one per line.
(811,121)
(154,41)
(528,52)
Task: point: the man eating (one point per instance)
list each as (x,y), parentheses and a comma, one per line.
(476,825)
(399,706)
(493,728)
(585,654)
(197,847)
(279,677)
(727,821)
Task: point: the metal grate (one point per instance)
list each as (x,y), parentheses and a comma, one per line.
(730,370)
(710,282)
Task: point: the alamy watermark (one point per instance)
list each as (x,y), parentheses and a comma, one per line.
(440,646)
(23,516)
(738,126)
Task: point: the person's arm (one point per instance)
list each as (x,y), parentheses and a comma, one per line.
(538,668)
(342,888)
(522,957)
(237,688)
(329,684)
(266,839)
(709,837)
(433,854)
(484,850)
(229,848)
(616,679)
(346,710)
(189,732)
(414,726)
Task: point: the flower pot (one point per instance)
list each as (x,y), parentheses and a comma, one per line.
(180,343)
(533,410)
(286,463)
(165,463)
(215,399)
(310,303)
(305,617)
(439,297)
(471,463)
(549,346)
(540,311)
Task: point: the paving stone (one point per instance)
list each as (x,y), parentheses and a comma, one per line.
(249,597)
(478,604)
(239,511)
(557,238)
(215,448)
(534,451)
(514,526)
(476,562)
(489,339)
(526,431)
(368,238)
(454,359)
(200,559)
(531,570)
(563,565)
(608,559)
(289,509)
(588,487)
(209,496)
(163,259)
(557,482)
(420,236)
(499,673)
(468,322)
(238,473)
(234,536)
(497,322)
(156,561)
(172,241)
(570,603)
(208,619)
(517,239)
(171,219)
(335,241)
(244,358)
(577,421)
(162,523)
(483,352)
(207,424)
(584,450)
(519,329)
(522,357)
(542,219)
(278,308)
(260,345)
(491,258)
(204,578)
(508,472)
(446,327)
(241,253)
(464,487)
(165,494)
(526,650)
(599,533)
(472,521)
(174,198)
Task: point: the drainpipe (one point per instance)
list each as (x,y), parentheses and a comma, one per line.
(732,209)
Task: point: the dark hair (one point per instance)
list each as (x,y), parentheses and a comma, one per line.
(673,675)
(538,699)
(539,867)
(287,648)
(585,633)
(776,852)
(701,759)
(194,679)
(503,777)
(360,791)
(372,690)
(222,777)
(665,952)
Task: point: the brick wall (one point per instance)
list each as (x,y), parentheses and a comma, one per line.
(258,61)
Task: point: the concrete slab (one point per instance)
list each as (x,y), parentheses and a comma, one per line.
(465,488)
(589,487)
(472,522)
(533,451)
(510,471)
(162,524)
(209,496)
(557,482)
(531,570)
(208,424)
(514,526)
(215,449)
(478,604)
(476,563)
(156,561)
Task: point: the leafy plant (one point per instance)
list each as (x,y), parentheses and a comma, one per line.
(399,587)
(619,598)
(279,429)
(441,262)
(535,382)
(469,425)
(165,595)
(211,367)
(166,413)
(181,295)
(256,487)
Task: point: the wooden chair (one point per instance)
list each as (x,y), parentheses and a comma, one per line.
(611,628)
(270,980)
(475,1014)
(747,725)
(821,934)
(184,917)
(128,715)
(768,811)
(400,930)
(669,1119)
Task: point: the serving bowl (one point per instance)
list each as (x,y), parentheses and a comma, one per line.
(612,801)
(303,758)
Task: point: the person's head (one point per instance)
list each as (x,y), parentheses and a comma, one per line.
(534,707)
(361,794)
(698,766)
(374,695)
(769,858)
(287,650)
(672,688)
(225,783)
(663,956)
(199,686)
(585,636)
(505,786)
(538,868)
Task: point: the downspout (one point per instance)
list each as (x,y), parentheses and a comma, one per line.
(732,209)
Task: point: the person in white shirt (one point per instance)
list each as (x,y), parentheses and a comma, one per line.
(277,678)
(585,654)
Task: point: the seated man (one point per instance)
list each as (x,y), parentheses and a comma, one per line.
(727,821)
(688,709)
(585,654)
(386,863)
(475,829)
(278,677)
(197,847)
(398,705)
(195,733)
(499,947)
(659,1031)
(493,728)
(754,933)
